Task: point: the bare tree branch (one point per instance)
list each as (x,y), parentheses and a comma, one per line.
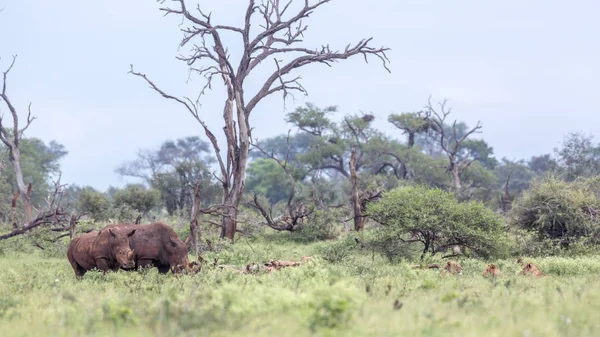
(53,214)
(325,56)
(193,109)
(452,147)
(279,34)
(296,212)
(46,217)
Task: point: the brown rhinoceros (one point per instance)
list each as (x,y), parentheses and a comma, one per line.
(105,250)
(157,245)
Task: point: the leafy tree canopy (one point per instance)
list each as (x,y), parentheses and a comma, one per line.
(435,219)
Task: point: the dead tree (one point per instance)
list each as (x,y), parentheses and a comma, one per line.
(11,138)
(451,144)
(279,34)
(51,215)
(296,211)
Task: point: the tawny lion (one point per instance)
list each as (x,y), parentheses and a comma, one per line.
(492,270)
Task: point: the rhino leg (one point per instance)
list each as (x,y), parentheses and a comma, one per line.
(102,264)
(148,263)
(163,269)
(143,263)
(79,270)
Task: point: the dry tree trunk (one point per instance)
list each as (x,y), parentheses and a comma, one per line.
(194,231)
(229,219)
(506,199)
(24,190)
(73,225)
(13,205)
(359,219)
(457,181)
(411,139)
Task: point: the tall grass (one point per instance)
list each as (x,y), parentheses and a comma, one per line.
(351,296)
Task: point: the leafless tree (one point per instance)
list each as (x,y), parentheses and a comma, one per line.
(296,211)
(280,33)
(11,138)
(52,214)
(451,143)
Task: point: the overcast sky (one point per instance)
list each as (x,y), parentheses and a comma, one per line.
(527,69)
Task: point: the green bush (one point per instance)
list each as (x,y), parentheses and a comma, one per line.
(137,197)
(320,225)
(94,203)
(379,241)
(558,210)
(527,243)
(434,218)
(123,213)
(339,250)
(332,308)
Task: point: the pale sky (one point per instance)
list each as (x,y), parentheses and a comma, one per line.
(527,69)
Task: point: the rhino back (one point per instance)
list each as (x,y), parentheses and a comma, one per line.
(150,241)
(146,242)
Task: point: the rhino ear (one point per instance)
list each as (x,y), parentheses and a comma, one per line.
(131,233)
(111,232)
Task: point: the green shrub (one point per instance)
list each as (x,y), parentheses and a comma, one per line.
(558,210)
(93,203)
(123,213)
(332,308)
(380,242)
(320,225)
(434,218)
(527,243)
(339,250)
(137,197)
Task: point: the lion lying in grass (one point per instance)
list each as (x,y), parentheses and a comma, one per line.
(492,270)
(531,269)
(453,267)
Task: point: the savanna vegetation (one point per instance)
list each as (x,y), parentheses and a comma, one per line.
(379,216)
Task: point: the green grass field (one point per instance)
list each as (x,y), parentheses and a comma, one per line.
(39,296)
